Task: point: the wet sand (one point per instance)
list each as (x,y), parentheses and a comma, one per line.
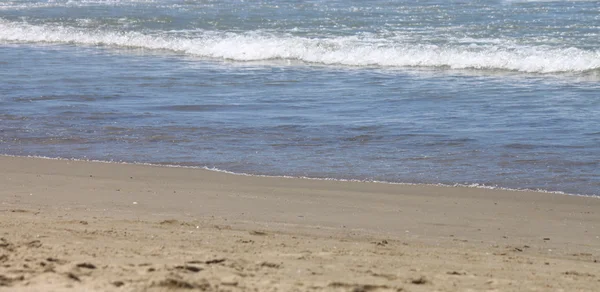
(85,226)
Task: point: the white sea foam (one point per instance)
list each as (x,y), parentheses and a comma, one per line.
(23,5)
(346,51)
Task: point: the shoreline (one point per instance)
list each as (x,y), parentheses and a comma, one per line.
(213,169)
(157,228)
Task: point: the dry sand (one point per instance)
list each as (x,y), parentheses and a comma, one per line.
(83,226)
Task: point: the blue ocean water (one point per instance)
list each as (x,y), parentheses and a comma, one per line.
(489,93)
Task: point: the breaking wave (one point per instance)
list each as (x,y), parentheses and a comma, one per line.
(327,50)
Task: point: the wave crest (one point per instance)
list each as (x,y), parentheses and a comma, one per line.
(346,51)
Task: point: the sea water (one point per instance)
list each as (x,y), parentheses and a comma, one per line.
(487,93)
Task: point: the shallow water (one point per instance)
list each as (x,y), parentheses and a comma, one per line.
(497,93)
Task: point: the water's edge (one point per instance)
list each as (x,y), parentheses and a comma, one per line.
(457,185)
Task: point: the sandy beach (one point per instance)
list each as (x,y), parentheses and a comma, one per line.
(88,226)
